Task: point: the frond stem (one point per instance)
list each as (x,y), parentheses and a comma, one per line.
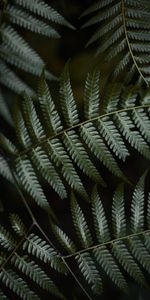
(45,140)
(106,243)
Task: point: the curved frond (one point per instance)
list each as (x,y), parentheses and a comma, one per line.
(19,268)
(123,27)
(111,248)
(14,49)
(61,149)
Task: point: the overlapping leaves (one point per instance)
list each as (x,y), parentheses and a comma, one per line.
(116,245)
(14,50)
(24,258)
(123,29)
(61,148)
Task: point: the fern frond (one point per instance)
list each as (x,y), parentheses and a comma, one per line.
(26,20)
(106,261)
(42,9)
(40,249)
(9,79)
(66,243)
(17,224)
(91,95)
(118,213)
(127,261)
(19,267)
(17,44)
(33,271)
(80,225)
(68,103)
(50,114)
(137,206)
(6,239)
(17,285)
(100,221)
(14,49)
(113,248)
(60,155)
(90,272)
(29,180)
(124,27)
(95,143)
(4,169)
(4,110)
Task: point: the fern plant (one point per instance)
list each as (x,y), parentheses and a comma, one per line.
(60,148)
(115,251)
(80,162)
(14,50)
(123,26)
(21,252)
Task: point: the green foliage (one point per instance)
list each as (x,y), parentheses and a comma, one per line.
(123,28)
(60,147)
(98,247)
(115,249)
(14,50)
(21,261)
(61,153)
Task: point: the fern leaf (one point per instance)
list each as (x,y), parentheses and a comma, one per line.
(4,110)
(107,262)
(125,258)
(50,114)
(4,169)
(124,27)
(15,59)
(111,134)
(44,10)
(97,6)
(33,271)
(79,155)
(7,144)
(136,140)
(68,103)
(21,130)
(118,213)
(141,120)
(140,252)
(80,224)
(91,137)
(47,170)
(17,224)
(9,79)
(6,239)
(90,273)
(91,95)
(63,239)
(31,119)
(17,285)
(30,181)
(100,221)
(17,44)
(59,156)
(24,19)
(137,206)
(40,249)
(148,211)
